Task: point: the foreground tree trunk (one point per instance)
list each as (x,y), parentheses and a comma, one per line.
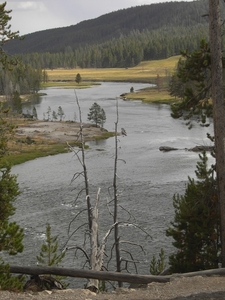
(218,109)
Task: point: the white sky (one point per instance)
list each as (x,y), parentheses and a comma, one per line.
(31,16)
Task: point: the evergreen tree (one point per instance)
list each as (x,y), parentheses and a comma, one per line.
(49,113)
(16,103)
(11,235)
(97,115)
(34,113)
(193,81)
(61,113)
(78,78)
(54,116)
(157,266)
(7,281)
(195,228)
(49,255)
(44,76)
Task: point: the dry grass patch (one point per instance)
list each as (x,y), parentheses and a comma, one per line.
(146,71)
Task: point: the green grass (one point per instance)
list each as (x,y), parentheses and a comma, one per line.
(104,136)
(21,157)
(151,95)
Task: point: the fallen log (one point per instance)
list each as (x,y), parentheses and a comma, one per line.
(112,276)
(100,275)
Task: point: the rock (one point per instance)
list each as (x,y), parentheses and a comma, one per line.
(166,148)
(201,148)
(194,149)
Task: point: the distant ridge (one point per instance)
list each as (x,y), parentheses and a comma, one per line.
(169,17)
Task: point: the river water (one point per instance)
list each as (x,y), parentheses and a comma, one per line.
(147,178)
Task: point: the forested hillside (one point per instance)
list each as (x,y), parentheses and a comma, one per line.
(118,39)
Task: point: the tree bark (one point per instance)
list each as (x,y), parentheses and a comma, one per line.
(218,110)
(97,251)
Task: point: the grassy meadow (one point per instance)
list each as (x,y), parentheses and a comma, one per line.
(146,72)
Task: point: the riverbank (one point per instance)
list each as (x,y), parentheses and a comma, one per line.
(33,139)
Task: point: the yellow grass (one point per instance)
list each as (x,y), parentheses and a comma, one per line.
(69,85)
(146,71)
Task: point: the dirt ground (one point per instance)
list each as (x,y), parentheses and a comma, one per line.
(57,131)
(197,287)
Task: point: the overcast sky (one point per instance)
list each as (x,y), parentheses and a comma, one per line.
(31,16)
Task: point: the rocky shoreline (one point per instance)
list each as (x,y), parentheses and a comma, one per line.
(194,149)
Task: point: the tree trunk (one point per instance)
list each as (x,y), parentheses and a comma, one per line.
(218,109)
(115,213)
(96,255)
(97,251)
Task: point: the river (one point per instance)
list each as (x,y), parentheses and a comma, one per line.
(147,178)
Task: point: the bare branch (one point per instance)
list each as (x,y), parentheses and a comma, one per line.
(111,255)
(123,160)
(107,234)
(77,175)
(77,248)
(136,226)
(85,224)
(131,261)
(134,244)
(129,213)
(76,152)
(74,218)
(78,195)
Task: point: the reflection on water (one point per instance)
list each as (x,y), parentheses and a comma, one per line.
(147,178)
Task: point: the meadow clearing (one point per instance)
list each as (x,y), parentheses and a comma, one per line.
(155,72)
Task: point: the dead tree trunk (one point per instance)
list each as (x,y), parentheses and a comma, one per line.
(96,255)
(85,169)
(97,252)
(218,109)
(116,228)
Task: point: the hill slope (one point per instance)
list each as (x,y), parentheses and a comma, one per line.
(154,17)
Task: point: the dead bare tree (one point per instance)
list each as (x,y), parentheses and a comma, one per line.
(115,200)
(116,229)
(97,249)
(95,258)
